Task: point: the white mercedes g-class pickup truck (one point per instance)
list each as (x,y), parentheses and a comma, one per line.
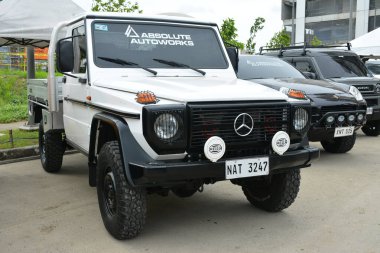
(155,105)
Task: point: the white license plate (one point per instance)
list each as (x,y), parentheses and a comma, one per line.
(369,110)
(344,131)
(250,167)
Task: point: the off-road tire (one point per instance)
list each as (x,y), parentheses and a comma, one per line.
(52,147)
(339,145)
(276,195)
(122,207)
(372,128)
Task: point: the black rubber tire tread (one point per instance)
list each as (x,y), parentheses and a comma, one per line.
(277,195)
(130,216)
(372,128)
(55,147)
(339,145)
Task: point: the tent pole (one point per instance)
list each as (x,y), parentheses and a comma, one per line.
(30,63)
(31,74)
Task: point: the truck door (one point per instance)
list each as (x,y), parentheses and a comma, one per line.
(75,90)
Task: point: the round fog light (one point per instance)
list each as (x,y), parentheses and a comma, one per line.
(360,117)
(377,89)
(330,119)
(351,118)
(341,119)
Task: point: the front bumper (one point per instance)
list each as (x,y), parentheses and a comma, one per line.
(374,102)
(323,133)
(168,173)
(320,131)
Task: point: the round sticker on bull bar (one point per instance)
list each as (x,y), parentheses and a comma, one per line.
(280,142)
(214,148)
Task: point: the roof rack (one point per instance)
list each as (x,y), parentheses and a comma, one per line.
(304,46)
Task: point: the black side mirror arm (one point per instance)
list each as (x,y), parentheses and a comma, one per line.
(233,54)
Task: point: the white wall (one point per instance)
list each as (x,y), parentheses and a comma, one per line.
(300,21)
(362,14)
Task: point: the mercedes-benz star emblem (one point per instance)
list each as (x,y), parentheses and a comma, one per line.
(243,124)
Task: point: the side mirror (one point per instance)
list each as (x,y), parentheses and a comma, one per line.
(65,56)
(233,54)
(310,75)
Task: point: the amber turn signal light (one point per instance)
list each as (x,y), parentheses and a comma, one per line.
(146,97)
(296,94)
(292,93)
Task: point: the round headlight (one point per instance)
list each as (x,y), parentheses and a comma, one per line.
(351,118)
(360,117)
(356,93)
(166,126)
(341,118)
(301,118)
(377,89)
(330,119)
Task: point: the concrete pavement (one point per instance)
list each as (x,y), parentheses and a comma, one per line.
(14,125)
(337,211)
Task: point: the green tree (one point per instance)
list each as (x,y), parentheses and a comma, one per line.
(257,26)
(315,41)
(115,6)
(229,33)
(281,38)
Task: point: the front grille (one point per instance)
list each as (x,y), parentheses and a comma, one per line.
(207,120)
(315,116)
(338,108)
(365,88)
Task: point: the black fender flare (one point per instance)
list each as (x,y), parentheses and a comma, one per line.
(130,150)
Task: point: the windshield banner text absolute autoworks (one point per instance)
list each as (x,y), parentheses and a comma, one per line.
(159,38)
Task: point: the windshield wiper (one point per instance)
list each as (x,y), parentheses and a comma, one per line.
(126,63)
(178,64)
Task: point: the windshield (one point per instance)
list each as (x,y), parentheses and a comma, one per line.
(374,68)
(152,46)
(341,66)
(262,67)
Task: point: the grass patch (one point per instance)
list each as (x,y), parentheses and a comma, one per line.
(13,113)
(13,95)
(20,139)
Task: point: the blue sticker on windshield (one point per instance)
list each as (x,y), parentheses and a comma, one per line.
(101,27)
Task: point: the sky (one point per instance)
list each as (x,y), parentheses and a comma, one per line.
(244,12)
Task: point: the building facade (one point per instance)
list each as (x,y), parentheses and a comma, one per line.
(331,21)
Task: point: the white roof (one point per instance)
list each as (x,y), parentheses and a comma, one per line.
(166,17)
(368,44)
(28,22)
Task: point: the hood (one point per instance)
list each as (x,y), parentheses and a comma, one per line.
(356,80)
(309,86)
(365,85)
(333,99)
(193,89)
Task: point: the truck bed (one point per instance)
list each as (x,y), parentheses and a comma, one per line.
(38,91)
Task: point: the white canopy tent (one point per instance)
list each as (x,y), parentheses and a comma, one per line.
(30,22)
(368,45)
